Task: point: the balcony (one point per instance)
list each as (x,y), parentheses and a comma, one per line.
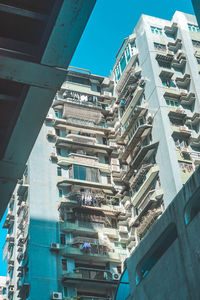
(92,161)
(99,253)
(181,130)
(9,221)
(148,221)
(139,111)
(129,76)
(88,201)
(149,178)
(171,30)
(176,113)
(171,92)
(88,227)
(164,56)
(72,110)
(22,189)
(149,201)
(187,98)
(141,132)
(175,46)
(179,60)
(194,139)
(75,141)
(166,73)
(141,155)
(66,182)
(90,275)
(195,157)
(183,82)
(136,95)
(141,173)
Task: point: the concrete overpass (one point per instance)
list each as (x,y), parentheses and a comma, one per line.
(165,265)
(37,41)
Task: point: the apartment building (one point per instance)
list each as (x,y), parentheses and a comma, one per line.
(156,79)
(3,291)
(110,157)
(62,220)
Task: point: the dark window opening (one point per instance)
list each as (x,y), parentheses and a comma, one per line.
(156,252)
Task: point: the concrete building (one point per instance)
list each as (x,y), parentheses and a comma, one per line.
(166,263)
(62,240)
(110,157)
(3,290)
(157,87)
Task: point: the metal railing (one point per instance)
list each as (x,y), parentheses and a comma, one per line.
(94,274)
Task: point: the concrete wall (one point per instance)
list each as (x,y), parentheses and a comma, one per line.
(176,273)
(43,203)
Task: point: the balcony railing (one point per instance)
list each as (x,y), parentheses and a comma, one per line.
(94,274)
(93,199)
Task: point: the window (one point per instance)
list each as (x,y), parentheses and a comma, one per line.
(86,173)
(123,62)
(160,47)
(193,27)
(156,30)
(59,171)
(64,264)
(156,252)
(172,102)
(196,43)
(60,193)
(168,83)
(198,60)
(62,239)
(58,114)
(192,208)
(117,72)
(185,167)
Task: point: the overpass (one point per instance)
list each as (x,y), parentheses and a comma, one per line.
(37,41)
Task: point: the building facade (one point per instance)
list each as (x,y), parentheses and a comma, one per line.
(3,289)
(111,155)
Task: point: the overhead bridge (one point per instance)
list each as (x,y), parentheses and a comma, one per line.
(37,41)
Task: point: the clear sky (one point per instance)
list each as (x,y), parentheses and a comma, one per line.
(111,22)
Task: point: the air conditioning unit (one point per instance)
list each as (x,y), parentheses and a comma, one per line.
(115,276)
(109,94)
(53,155)
(55,246)
(49,116)
(183,92)
(56,296)
(169,52)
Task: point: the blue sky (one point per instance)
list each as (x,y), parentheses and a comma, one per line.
(110,22)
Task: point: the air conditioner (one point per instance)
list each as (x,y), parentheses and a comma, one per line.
(49,116)
(11,289)
(53,154)
(109,94)
(115,276)
(55,246)
(169,52)
(56,295)
(183,92)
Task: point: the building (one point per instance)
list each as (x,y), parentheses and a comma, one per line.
(156,83)
(110,157)
(166,263)
(62,240)
(3,291)
(41,44)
